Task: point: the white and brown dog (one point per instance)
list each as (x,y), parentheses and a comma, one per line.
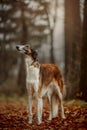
(42,80)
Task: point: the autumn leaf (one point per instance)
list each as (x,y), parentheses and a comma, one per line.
(13,116)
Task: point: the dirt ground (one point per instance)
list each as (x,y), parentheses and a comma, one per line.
(14,116)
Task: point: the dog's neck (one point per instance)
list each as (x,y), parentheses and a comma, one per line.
(32,72)
(30,62)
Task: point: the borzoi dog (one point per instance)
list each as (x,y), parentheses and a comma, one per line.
(42,80)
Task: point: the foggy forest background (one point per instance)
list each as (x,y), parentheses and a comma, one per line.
(57,29)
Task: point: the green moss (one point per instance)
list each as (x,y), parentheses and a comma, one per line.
(80,103)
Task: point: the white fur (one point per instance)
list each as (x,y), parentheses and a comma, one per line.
(39,110)
(32,74)
(43,92)
(30,101)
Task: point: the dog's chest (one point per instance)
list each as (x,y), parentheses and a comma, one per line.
(32,73)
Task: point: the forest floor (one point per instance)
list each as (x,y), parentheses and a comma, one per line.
(13,116)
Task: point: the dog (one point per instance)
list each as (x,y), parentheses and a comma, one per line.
(42,80)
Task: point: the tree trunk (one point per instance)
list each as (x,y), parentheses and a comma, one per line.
(72,46)
(52,49)
(22,71)
(83,78)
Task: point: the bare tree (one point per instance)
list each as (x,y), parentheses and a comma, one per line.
(51,11)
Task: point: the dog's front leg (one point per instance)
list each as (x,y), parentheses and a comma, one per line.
(39,110)
(30,108)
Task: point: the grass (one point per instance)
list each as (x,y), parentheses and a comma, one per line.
(77,102)
(23,98)
(13,97)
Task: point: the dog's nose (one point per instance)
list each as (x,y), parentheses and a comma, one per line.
(17,47)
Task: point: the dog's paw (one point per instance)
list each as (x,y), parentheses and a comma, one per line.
(30,122)
(50,118)
(63,117)
(41,123)
(29,119)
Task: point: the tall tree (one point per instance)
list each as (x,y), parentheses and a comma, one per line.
(83,77)
(51,11)
(72,46)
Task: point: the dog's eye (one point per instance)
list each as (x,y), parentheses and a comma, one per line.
(27,46)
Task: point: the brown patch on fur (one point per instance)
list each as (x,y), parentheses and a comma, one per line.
(50,73)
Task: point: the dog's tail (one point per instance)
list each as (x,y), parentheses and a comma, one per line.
(64,91)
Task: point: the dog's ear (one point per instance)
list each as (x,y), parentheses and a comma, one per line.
(36,51)
(35,55)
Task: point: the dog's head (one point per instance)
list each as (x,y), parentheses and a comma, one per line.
(28,51)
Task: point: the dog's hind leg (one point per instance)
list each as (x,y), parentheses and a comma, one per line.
(54,106)
(50,103)
(60,102)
